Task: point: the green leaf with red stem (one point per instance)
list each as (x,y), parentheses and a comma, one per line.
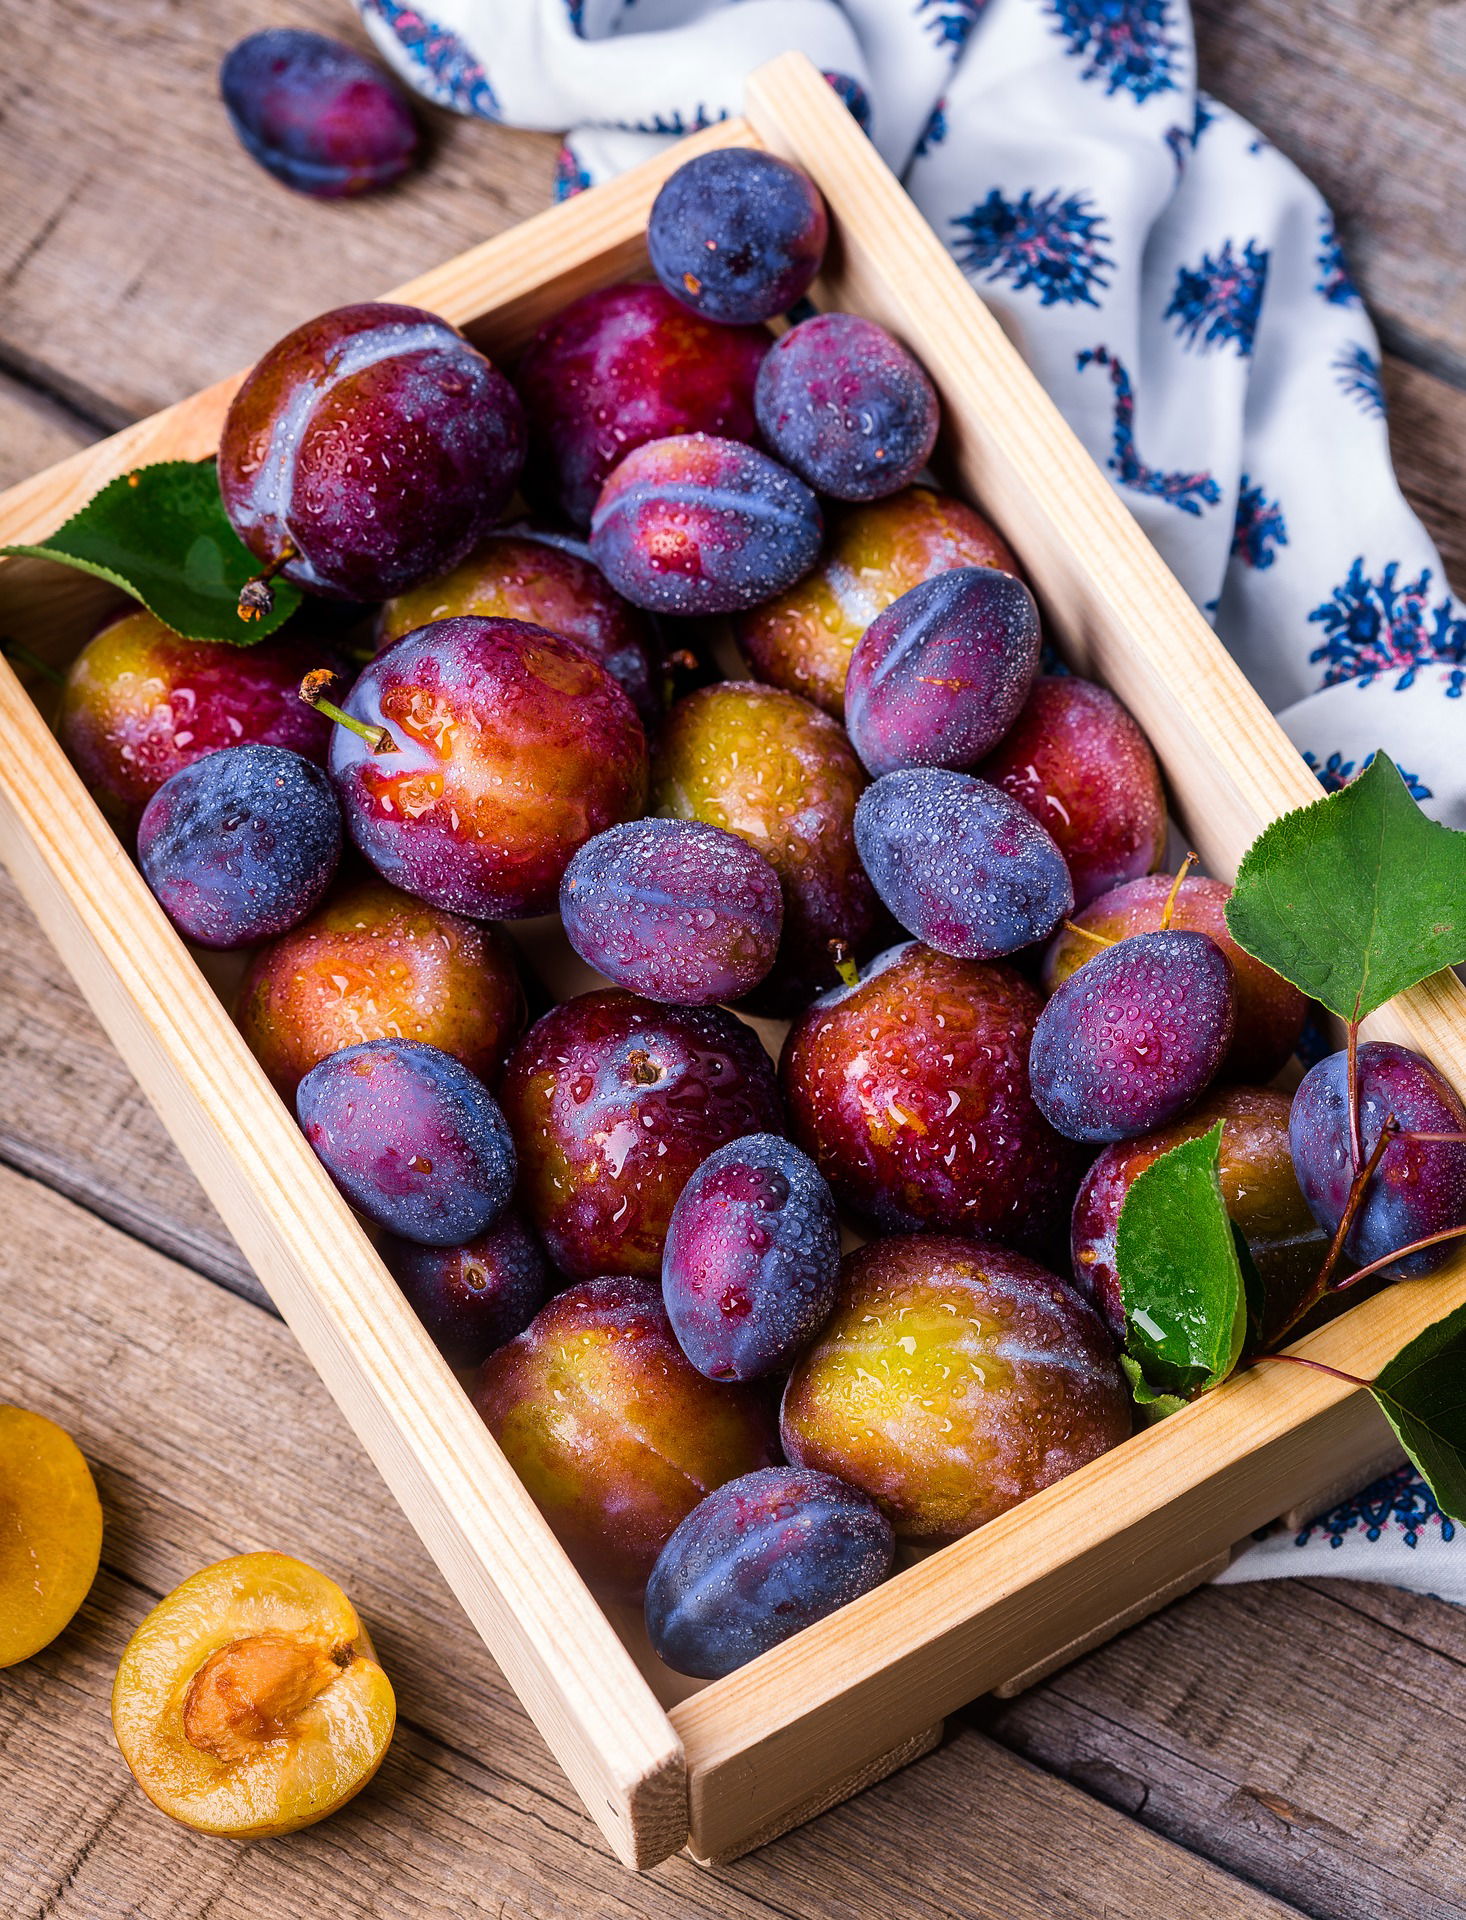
(1356,897)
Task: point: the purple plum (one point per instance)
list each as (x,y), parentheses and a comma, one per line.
(737,235)
(317,114)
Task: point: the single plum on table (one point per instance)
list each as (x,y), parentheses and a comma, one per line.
(757,1561)
(1080,765)
(1134,1038)
(373,963)
(953,1380)
(241,845)
(771,768)
(847,407)
(803,640)
(493,750)
(413,1139)
(674,909)
(1259,1187)
(614,1102)
(942,673)
(546,581)
(622,366)
(1270,1009)
(614,1433)
(737,235)
(317,114)
(371,448)
(960,865)
(697,525)
(910,1092)
(474,1297)
(141,702)
(752,1255)
(1418,1187)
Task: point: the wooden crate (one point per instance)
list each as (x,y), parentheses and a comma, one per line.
(661,1764)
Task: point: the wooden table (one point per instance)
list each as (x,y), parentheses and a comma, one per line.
(1251,1752)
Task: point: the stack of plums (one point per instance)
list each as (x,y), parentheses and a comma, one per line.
(937,861)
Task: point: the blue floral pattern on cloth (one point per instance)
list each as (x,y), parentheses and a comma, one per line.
(856,99)
(1399,1505)
(1125,43)
(934,132)
(1217,303)
(1382,625)
(1260,529)
(1333,281)
(950,21)
(1336,772)
(570,176)
(1188,491)
(445,68)
(1357,372)
(1052,244)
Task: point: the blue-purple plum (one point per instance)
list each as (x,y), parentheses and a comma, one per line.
(674,909)
(758,1560)
(752,1258)
(847,407)
(1419,1186)
(370,449)
(413,1139)
(1134,1038)
(940,676)
(241,845)
(737,235)
(696,525)
(960,865)
(474,1297)
(317,114)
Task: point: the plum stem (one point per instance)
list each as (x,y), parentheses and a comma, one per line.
(1099,939)
(18,651)
(1341,1232)
(643,1068)
(313,692)
(1451,1139)
(1317,1366)
(1400,1253)
(844,963)
(1170,907)
(1351,1045)
(257,596)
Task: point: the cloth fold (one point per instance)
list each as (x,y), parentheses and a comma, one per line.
(1175,282)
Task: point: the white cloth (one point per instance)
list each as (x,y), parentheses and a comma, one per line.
(1177,285)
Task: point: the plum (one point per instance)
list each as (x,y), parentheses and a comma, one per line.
(1259,1187)
(620,367)
(1418,1187)
(847,407)
(371,448)
(1270,1010)
(959,864)
(953,1380)
(737,235)
(758,1560)
(614,1102)
(373,963)
(493,751)
(414,1140)
(241,845)
(696,524)
(474,1297)
(803,640)
(1080,765)
(1134,1038)
(141,702)
(910,1093)
(773,769)
(546,581)
(317,114)
(613,1431)
(674,909)
(753,1249)
(941,675)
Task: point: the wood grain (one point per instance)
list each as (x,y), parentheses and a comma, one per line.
(1366,96)
(253,1453)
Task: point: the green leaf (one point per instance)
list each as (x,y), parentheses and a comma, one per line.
(1356,897)
(162,535)
(1154,1406)
(1181,1283)
(1423,1394)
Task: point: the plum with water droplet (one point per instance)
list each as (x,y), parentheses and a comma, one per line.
(737,235)
(472,1298)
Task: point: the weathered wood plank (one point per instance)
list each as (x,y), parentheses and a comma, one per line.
(129,285)
(1311,1735)
(210,1435)
(35,432)
(1367,98)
